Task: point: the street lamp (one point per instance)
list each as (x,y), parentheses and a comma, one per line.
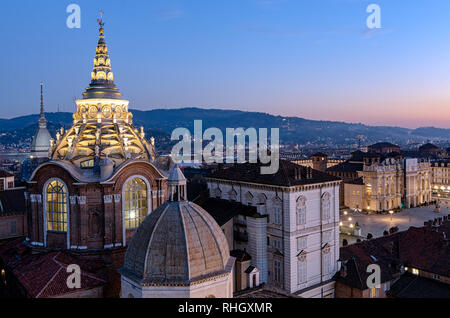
(391,212)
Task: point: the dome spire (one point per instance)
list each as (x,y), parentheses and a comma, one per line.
(177,185)
(42,120)
(102,78)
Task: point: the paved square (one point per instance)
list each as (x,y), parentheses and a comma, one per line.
(377,223)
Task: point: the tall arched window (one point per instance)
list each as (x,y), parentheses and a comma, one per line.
(301,210)
(136,202)
(56,206)
(326,205)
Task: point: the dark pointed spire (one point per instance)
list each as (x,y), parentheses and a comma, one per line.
(42,120)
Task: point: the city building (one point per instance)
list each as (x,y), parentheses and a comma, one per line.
(430,149)
(383,148)
(413,264)
(101,180)
(178,251)
(291,234)
(390,183)
(441,179)
(6,180)
(347,171)
(13,221)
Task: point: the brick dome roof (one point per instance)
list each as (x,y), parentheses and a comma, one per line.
(177,244)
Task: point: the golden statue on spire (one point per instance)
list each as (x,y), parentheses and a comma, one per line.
(100,21)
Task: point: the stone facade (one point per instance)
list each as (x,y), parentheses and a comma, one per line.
(294,238)
(95,216)
(390,184)
(441,179)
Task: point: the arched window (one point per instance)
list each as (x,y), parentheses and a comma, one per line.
(233,195)
(248,198)
(56,196)
(326,206)
(217,193)
(301,210)
(302,268)
(136,202)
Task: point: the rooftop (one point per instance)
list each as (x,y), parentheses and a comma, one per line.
(288,175)
(45,274)
(413,286)
(426,248)
(223,210)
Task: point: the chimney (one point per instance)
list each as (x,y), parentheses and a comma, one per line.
(309,173)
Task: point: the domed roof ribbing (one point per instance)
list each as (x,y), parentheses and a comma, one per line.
(102,124)
(179,243)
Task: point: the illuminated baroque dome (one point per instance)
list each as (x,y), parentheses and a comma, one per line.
(102,125)
(178,251)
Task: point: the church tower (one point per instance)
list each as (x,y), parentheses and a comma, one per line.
(102,125)
(102,177)
(41,141)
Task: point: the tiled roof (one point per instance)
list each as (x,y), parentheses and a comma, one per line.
(347,166)
(428,146)
(359,181)
(223,210)
(425,248)
(285,176)
(412,286)
(382,145)
(240,255)
(45,274)
(320,154)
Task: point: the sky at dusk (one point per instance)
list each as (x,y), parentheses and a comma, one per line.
(314,59)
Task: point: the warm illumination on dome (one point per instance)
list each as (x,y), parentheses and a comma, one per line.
(102,126)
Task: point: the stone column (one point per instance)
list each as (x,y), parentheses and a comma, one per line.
(84,222)
(118,225)
(109,220)
(257,244)
(74,221)
(34,218)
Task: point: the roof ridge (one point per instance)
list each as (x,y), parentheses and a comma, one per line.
(53,277)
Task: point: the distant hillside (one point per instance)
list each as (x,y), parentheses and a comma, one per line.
(293,130)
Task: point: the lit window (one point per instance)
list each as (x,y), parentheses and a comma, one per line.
(415,271)
(56,207)
(373,293)
(136,203)
(87,163)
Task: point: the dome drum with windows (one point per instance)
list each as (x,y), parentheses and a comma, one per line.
(102,125)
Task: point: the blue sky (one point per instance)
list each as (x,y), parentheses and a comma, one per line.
(309,58)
